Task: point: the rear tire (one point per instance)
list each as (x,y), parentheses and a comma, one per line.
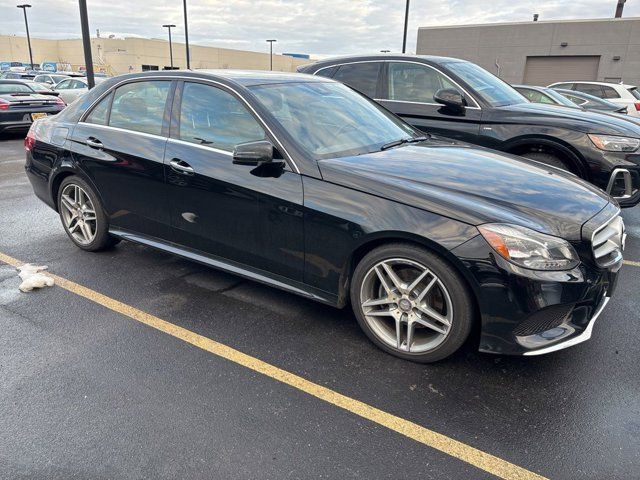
(411,303)
(82,215)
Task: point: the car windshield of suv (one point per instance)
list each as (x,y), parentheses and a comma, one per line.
(15,88)
(489,87)
(330,120)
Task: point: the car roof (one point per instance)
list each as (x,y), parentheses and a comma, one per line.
(383,56)
(607,84)
(243,78)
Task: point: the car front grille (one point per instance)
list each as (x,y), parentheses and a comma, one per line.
(608,242)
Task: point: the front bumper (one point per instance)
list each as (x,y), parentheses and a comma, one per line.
(525,312)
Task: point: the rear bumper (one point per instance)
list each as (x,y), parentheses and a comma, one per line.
(21,120)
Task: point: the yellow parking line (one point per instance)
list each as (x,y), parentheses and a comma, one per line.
(482,460)
(633,264)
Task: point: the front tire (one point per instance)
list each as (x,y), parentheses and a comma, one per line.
(411,303)
(548,159)
(82,215)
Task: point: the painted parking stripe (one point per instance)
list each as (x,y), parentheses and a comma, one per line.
(632,263)
(482,460)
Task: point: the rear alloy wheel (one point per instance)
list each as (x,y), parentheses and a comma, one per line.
(411,303)
(82,215)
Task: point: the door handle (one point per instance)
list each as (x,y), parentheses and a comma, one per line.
(181,166)
(94,143)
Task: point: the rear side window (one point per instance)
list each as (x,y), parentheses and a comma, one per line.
(635,93)
(100,113)
(535,96)
(566,86)
(213,117)
(412,82)
(327,72)
(576,100)
(591,89)
(361,76)
(140,106)
(609,92)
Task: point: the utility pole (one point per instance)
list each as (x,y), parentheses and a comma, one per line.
(619,8)
(169,27)
(186,33)
(406,25)
(271,53)
(86,43)
(26,24)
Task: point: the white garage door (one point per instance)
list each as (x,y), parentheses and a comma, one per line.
(546,70)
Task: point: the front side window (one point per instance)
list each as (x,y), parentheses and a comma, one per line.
(329,120)
(140,106)
(489,87)
(361,76)
(213,117)
(411,82)
(63,85)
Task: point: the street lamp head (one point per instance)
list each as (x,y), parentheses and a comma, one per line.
(24,5)
(169,26)
(272,40)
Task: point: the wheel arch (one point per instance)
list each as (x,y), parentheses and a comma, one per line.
(520,144)
(389,237)
(63,172)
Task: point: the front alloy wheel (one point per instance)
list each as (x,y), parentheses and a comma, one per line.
(411,303)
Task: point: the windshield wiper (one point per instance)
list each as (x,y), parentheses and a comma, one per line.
(402,141)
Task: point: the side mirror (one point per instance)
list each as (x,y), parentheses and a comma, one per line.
(253,153)
(451,98)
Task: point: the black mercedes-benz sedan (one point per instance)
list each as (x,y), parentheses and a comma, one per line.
(460,100)
(304,184)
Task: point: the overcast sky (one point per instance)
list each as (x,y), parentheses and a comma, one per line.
(324,27)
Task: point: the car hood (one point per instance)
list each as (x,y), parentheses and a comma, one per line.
(474,185)
(586,121)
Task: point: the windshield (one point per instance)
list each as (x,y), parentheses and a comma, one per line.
(14,88)
(560,98)
(330,120)
(489,87)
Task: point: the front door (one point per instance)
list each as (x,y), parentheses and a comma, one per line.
(249,215)
(408,92)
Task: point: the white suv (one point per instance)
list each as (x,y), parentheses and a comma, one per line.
(618,93)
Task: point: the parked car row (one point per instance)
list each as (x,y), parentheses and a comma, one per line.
(460,100)
(22,102)
(300,182)
(568,98)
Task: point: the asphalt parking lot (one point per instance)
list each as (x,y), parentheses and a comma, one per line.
(90,389)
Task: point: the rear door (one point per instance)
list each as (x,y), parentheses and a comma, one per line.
(408,90)
(120,145)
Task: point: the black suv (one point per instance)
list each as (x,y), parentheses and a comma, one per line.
(460,100)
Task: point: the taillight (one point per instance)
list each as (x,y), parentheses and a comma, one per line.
(637,105)
(4,105)
(60,102)
(30,140)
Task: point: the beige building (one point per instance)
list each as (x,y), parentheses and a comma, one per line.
(117,56)
(543,52)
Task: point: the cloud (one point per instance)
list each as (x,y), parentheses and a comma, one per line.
(325,27)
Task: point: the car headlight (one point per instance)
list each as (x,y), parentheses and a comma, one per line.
(530,249)
(610,143)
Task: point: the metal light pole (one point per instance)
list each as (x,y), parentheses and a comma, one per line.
(169,27)
(86,42)
(406,24)
(26,24)
(186,33)
(271,53)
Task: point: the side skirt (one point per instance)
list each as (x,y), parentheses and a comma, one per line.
(225,265)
